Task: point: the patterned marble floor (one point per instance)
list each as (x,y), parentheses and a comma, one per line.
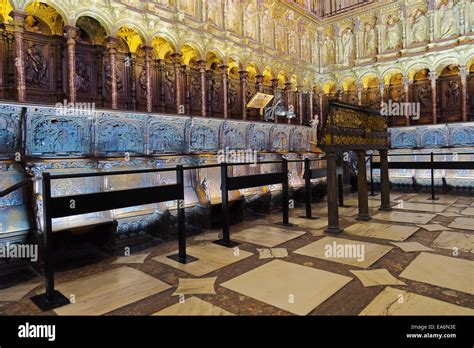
(417,259)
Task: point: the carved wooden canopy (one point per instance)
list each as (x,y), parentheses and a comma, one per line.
(349,128)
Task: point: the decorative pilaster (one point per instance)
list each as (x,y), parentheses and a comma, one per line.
(202,75)
(18,23)
(225,98)
(112,45)
(434,98)
(149,93)
(464,74)
(71,35)
(243,89)
(178,82)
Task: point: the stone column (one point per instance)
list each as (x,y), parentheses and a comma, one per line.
(178,83)
(465,94)
(243,89)
(71,35)
(384,181)
(19,22)
(225,98)
(202,75)
(112,45)
(434,98)
(275,93)
(321,100)
(259,84)
(149,93)
(362,187)
(333,209)
(288,92)
(300,105)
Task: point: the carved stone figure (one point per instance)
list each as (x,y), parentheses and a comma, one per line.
(267,27)
(82,75)
(447,18)
(280,36)
(251,21)
(305,49)
(419,28)
(234,16)
(213,10)
(329,52)
(424,95)
(36,67)
(189,7)
(370,40)
(347,46)
(392,34)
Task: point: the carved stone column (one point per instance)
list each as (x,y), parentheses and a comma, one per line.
(178,82)
(465,94)
(434,98)
(384,181)
(112,45)
(333,209)
(275,93)
(362,187)
(19,22)
(71,35)
(225,97)
(149,93)
(243,89)
(202,75)
(259,84)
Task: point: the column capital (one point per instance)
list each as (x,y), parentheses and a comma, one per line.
(243,74)
(433,76)
(18,20)
(176,57)
(71,33)
(463,71)
(223,68)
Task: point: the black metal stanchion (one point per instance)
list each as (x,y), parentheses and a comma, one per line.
(225,241)
(372,188)
(181,257)
(340,189)
(308,190)
(433,197)
(51,299)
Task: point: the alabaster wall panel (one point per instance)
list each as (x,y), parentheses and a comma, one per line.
(57,132)
(204,135)
(167,134)
(10,130)
(235,135)
(259,136)
(279,138)
(120,133)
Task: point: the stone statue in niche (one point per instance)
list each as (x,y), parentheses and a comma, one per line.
(453,94)
(392,34)
(234,16)
(267,27)
(169,86)
(251,21)
(347,46)
(419,28)
(82,75)
(292,44)
(213,10)
(280,36)
(329,51)
(447,18)
(36,67)
(370,40)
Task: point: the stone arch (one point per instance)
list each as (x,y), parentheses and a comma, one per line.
(104,20)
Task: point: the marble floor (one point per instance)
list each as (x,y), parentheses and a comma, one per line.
(415,260)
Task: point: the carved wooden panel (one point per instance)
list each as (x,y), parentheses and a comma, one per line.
(234,99)
(450,97)
(216,95)
(421,93)
(169,86)
(194,90)
(89,73)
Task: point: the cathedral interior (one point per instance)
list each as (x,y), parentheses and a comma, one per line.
(237,157)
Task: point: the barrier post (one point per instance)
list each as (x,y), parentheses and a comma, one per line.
(433,197)
(181,257)
(51,299)
(308,191)
(225,241)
